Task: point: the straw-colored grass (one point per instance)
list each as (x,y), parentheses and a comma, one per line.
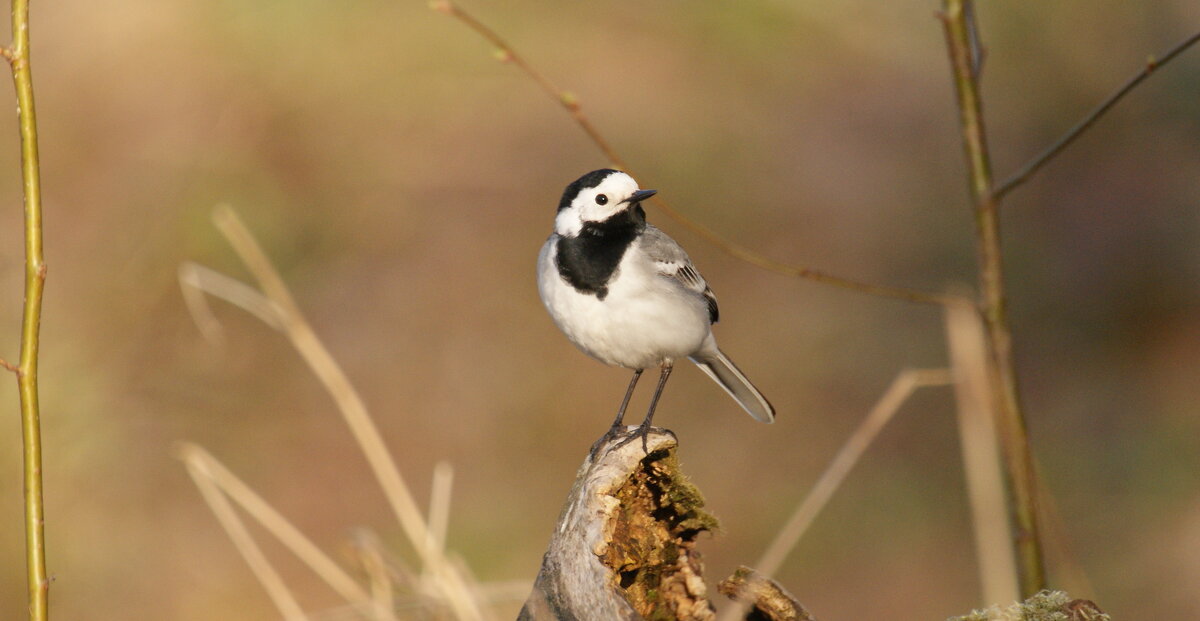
(443,586)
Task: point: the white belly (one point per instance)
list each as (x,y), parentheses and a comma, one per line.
(645,320)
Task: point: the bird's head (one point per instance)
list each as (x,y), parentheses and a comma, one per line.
(596,197)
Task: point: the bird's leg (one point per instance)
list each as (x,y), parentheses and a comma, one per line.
(644,428)
(618,423)
(637,373)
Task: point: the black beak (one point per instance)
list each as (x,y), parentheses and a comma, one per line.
(639,196)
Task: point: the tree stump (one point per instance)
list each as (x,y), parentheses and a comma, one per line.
(624,547)
(625,544)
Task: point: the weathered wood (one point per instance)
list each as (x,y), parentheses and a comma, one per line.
(624,550)
(769,601)
(624,545)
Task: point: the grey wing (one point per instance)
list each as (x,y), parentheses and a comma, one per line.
(671,261)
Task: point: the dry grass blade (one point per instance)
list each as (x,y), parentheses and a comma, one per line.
(219,477)
(396,569)
(981,460)
(263,570)
(383,596)
(197,282)
(456,564)
(906,382)
(454,589)
(439,503)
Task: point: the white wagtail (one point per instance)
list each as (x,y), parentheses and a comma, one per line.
(627,295)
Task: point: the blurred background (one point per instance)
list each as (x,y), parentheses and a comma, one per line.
(403,181)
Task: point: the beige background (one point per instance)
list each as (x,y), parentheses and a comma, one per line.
(403,181)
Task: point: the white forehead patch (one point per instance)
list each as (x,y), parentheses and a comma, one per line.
(616,188)
(617,185)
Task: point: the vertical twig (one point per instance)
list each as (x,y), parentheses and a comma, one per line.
(35,279)
(1011,424)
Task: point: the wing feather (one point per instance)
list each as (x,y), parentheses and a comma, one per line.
(672,262)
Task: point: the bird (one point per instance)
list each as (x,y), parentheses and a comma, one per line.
(627,294)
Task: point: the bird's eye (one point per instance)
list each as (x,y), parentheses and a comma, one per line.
(601,199)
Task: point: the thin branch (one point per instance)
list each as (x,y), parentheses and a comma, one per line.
(1034,165)
(901,388)
(8,366)
(507,54)
(978,51)
(571,103)
(1001,368)
(17,55)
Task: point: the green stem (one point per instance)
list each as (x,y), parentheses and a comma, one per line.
(35,280)
(1022,485)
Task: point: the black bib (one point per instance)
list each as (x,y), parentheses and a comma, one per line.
(588,260)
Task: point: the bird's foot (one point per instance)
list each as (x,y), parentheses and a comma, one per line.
(641,432)
(613,432)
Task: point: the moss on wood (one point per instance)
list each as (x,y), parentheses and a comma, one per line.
(1043,606)
(652,546)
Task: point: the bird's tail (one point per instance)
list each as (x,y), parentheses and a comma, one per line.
(724,372)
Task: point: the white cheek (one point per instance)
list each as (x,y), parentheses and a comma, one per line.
(567,223)
(599,213)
